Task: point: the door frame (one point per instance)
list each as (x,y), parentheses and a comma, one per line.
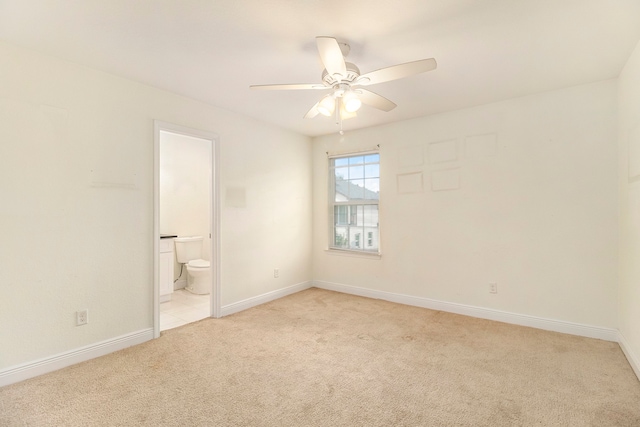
(214,219)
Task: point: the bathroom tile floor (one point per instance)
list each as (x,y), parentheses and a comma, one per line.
(183,308)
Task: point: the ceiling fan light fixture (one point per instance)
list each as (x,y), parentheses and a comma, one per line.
(327,105)
(351,102)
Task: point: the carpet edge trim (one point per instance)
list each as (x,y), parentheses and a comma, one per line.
(17,373)
(264,298)
(606,334)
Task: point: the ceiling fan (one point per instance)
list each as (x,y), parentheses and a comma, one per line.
(347,84)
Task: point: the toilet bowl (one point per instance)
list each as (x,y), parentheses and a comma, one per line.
(198,276)
(189,253)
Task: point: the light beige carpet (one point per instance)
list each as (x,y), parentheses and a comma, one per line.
(320,358)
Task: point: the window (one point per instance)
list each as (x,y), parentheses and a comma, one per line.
(354,198)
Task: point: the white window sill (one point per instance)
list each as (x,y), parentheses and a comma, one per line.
(355,254)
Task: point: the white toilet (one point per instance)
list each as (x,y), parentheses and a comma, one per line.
(189,253)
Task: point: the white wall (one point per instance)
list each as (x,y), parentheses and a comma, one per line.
(629,148)
(76,210)
(526,197)
(185,189)
(521,192)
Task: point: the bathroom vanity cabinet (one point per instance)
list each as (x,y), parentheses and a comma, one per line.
(166,269)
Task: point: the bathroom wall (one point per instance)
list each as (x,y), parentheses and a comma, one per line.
(522,193)
(185,189)
(76,217)
(629,163)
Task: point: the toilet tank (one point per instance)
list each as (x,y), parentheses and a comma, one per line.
(188,248)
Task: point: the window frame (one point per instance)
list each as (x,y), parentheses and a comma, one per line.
(332,204)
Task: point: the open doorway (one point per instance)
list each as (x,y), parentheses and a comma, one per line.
(186,226)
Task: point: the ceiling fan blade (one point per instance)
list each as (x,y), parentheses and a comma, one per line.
(331,55)
(396,72)
(312,112)
(375,100)
(289,86)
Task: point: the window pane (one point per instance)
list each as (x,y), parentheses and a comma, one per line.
(356,189)
(360,215)
(358,160)
(355,237)
(353,215)
(344,161)
(370,216)
(340,215)
(372,171)
(342,173)
(372,239)
(341,185)
(372,189)
(340,239)
(372,158)
(356,172)
(361,233)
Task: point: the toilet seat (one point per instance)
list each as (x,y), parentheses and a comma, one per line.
(199,263)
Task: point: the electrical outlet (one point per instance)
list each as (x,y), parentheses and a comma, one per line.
(493,288)
(276,272)
(82,317)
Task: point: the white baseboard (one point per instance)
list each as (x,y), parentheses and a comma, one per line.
(632,357)
(27,370)
(31,369)
(261,299)
(180,284)
(606,334)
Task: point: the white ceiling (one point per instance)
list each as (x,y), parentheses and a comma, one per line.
(212,50)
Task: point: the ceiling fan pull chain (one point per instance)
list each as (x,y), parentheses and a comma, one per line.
(339,117)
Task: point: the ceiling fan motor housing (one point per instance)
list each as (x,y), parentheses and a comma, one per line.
(330,80)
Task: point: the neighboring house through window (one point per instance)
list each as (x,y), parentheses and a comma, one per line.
(354,198)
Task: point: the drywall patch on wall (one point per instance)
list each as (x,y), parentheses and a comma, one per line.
(442,151)
(236,197)
(445,180)
(634,154)
(410,156)
(410,183)
(476,146)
